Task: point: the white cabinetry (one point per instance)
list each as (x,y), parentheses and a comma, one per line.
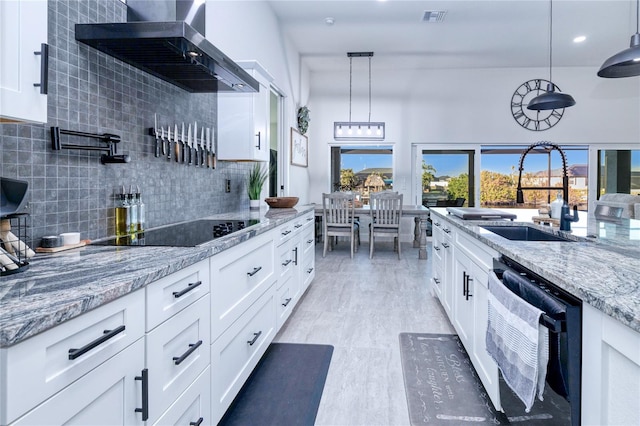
(23,31)
(462,265)
(243,119)
(38,368)
(610,370)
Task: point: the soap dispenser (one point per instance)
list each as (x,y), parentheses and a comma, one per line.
(556,206)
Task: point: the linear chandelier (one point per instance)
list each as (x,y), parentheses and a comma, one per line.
(358,130)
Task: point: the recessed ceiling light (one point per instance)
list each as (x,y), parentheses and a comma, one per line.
(579,39)
(329,21)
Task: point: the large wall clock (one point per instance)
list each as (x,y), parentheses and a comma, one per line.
(533,120)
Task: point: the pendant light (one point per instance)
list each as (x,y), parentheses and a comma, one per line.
(551,99)
(358,130)
(627,62)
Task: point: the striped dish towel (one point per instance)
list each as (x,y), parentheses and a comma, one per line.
(517,342)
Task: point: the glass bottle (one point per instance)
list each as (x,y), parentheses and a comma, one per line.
(141,210)
(556,206)
(133,212)
(123,218)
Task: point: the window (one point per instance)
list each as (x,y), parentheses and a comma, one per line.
(447,178)
(618,171)
(361,168)
(542,168)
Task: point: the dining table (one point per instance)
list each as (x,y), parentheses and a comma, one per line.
(419,212)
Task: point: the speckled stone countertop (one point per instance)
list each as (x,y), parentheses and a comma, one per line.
(58,287)
(602,267)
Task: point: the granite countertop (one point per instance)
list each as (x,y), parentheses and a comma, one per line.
(61,286)
(602,267)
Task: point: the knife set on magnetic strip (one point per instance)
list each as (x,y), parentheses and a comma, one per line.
(193,148)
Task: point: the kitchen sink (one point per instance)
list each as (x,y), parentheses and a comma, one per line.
(524,233)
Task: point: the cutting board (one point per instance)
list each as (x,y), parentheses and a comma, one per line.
(62,248)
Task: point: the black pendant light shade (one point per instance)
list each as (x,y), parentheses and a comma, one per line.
(551,100)
(625,63)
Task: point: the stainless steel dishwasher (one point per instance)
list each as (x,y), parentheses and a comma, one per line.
(563,318)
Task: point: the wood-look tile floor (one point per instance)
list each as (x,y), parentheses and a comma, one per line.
(360,306)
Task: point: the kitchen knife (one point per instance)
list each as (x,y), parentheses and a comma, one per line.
(213,150)
(156,133)
(190,143)
(184,144)
(208,147)
(195,143)
(164,152)
(203,151)
(175,133)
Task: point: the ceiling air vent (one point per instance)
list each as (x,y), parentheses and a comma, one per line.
(433,15)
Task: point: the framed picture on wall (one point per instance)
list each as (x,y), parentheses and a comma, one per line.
(299,149)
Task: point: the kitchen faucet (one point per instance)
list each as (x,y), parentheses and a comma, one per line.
(565,217)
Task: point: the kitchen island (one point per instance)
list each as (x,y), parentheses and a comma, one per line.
(194,321)
(600,266)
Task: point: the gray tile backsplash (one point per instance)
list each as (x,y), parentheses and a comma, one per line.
(71,190)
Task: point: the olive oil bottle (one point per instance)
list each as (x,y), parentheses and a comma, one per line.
(123,216)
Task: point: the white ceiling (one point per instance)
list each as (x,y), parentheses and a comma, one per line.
(474,33)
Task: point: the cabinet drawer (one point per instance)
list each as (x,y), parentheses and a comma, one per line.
(436,281)
(177,352)
(41,365)
(238,277)
(285,262)
(108,395)
(308,271)
(286,300)
(235,354)
(194,404)
(284,233)
(173,293)
(308,239)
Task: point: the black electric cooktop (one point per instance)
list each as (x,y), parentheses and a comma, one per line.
(187,234)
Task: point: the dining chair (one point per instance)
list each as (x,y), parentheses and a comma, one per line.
(386,214)
(338,219)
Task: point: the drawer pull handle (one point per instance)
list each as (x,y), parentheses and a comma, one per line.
(145,394)
(445,245)
(437,281)
(177,360)
(310,270)
(255,337)
(108,334)
(446,230)
(310,241)
(44,69)
(436,223)
(286,302)
(190,287)
(255,271)
(309,218)
(297,226)
(287,232)
(197,423)
(286,262)
(436,248)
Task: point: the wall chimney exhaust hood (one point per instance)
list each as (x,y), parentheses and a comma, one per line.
(172,50)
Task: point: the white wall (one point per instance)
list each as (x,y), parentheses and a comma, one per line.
(249,31)
(467,107)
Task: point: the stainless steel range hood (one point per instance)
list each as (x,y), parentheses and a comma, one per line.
(171,50)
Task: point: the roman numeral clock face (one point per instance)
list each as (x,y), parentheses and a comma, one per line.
(529,119)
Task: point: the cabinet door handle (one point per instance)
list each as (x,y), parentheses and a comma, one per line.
(108,334)
(287,262)
(464,283)
(310,270)
(190,287)
(468,292)
(44,69)
(255,337)
(295,259)
(197,422)
(258,136)
(255,271)
(145,394)
(177,360)
(286,302)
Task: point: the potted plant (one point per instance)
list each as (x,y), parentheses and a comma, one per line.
(255,180)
